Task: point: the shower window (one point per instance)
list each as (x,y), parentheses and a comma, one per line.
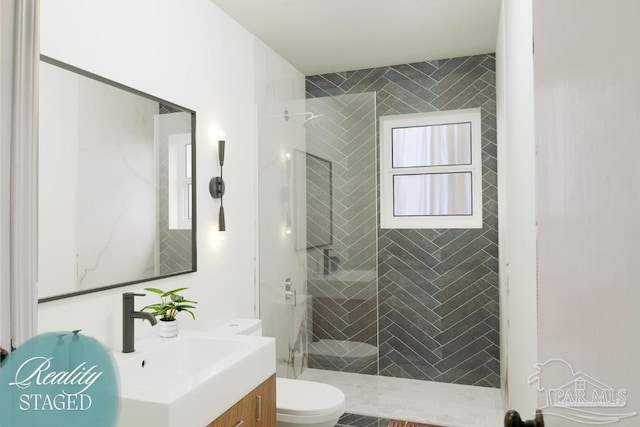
(431,168)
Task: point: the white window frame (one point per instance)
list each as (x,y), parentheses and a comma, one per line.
(179,181)
(387,171)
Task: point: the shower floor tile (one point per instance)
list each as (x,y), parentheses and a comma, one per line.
(451,405)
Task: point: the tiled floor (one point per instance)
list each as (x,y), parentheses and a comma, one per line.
(413,400)
(352,420)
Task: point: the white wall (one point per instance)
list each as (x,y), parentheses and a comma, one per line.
(587,114)
(192,54)
(280,87)
(516,183)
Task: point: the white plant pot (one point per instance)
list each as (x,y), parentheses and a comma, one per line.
(168,328)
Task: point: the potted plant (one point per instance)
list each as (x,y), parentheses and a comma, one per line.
(171,303)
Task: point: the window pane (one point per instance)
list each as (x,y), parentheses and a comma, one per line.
(432,194)
(187,159)
(432,145)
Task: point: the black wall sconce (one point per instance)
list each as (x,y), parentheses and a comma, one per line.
(216,187)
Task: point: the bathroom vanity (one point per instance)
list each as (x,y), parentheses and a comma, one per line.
(214,381)
(256,409)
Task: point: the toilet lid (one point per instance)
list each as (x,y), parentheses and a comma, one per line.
(297,397)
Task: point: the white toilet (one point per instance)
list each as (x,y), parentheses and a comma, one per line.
(298,403)
(306,403)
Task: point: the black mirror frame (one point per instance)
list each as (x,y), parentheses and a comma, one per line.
(192,113)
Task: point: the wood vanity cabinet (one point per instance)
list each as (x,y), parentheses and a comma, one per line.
(256,409)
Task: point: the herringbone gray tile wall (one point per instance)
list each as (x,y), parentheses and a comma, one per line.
(437,289)
(344,301)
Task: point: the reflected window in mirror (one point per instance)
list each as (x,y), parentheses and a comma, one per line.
(431,170)
(116,188)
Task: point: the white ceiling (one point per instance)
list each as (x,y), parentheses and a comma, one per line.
(321,36)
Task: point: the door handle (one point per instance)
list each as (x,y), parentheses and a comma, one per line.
(512,419)
(259,415)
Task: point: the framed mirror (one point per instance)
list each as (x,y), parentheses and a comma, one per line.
(318,173)
(116,184)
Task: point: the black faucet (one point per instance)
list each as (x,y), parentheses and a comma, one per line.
(330,263)
(128,314)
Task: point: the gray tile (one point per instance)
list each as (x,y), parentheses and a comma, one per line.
(463,66)
(494,351)
(467,294)
(335,78)
(465,97)
(489,62)
(447,67)
(466,257)
(489,121)
(473,376)
(456,89)
(449,289)
(464,311)
(459,241)
(410,72)
(409,365)
(469,335)
(435,287)
(463,354)
(426,68)
(411,350)
(491,380)
(460,327)
(372,82)
(354,78)
(410,94)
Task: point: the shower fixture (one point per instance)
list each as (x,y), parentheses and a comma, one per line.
(308,116)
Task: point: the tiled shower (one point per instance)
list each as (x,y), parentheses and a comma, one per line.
(437,290)
(418,304)
(341,272)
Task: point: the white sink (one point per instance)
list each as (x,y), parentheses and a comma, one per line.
(192,379)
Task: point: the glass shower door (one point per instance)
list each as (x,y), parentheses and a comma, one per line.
(341,233)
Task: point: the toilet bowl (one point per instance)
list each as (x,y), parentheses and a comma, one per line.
(306,403)
(298,403)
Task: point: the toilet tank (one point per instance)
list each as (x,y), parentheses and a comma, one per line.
(239,327)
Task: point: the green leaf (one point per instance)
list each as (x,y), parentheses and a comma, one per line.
(173,291)
(171,304)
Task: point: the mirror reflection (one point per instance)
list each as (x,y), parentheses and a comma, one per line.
(319,201)
(116,186)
